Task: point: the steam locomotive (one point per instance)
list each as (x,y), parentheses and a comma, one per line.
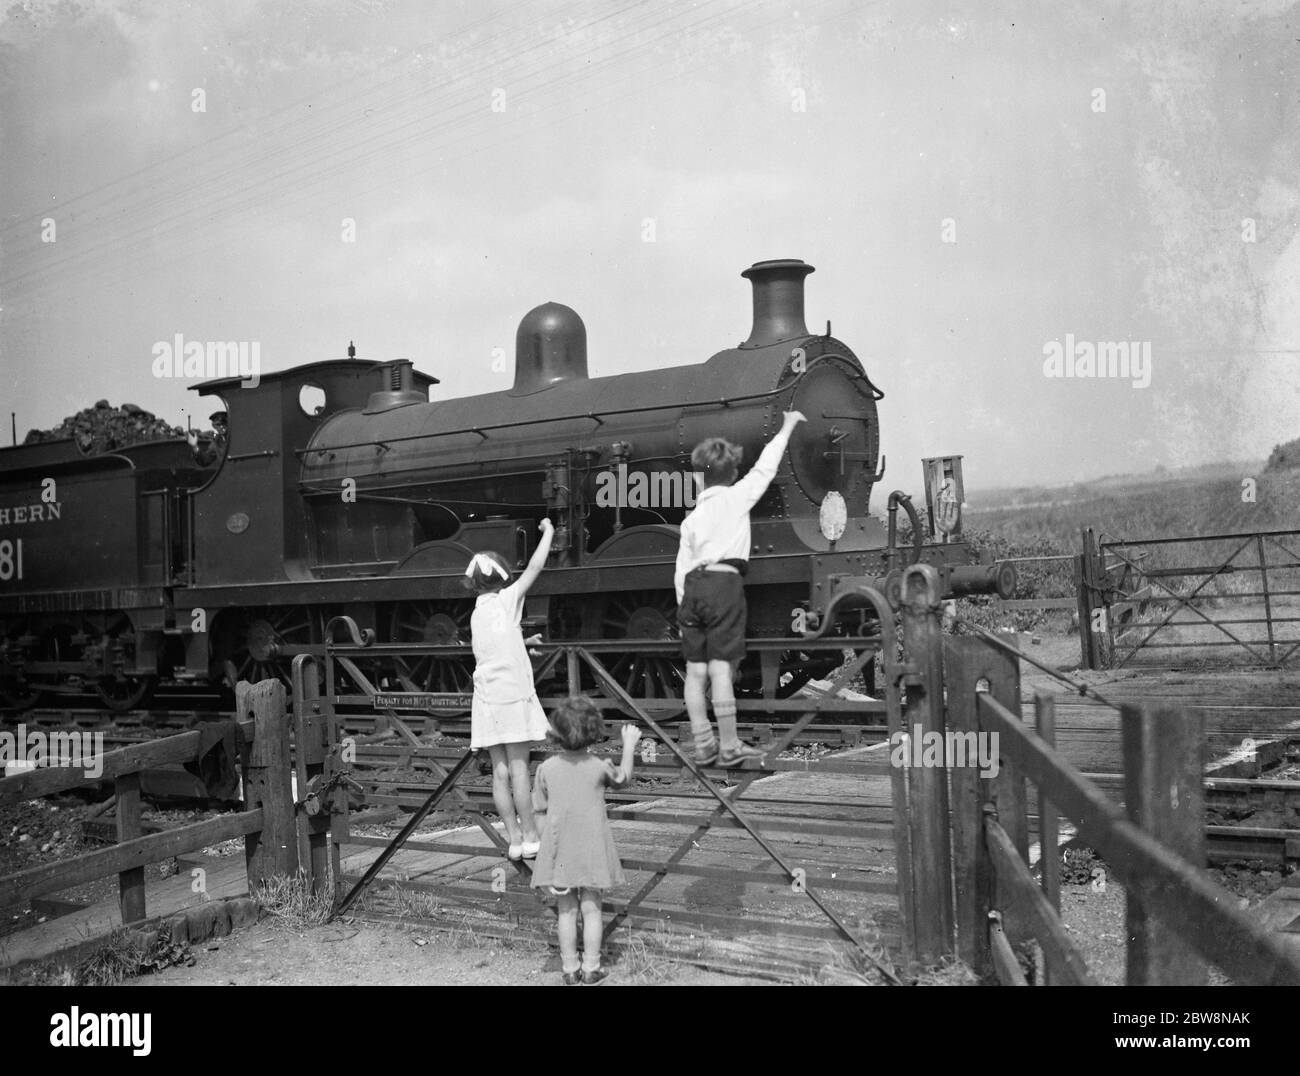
(343,487)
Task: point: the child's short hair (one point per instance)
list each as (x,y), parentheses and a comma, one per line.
(718,459)
(486,573)
(577,723)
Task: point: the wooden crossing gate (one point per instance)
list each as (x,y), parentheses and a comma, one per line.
(811,864)
(1173,602)
(1179,921)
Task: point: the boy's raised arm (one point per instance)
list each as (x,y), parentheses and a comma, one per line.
(760,476)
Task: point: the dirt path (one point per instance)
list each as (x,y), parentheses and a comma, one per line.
(363,954)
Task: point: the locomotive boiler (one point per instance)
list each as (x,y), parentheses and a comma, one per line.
(344,488)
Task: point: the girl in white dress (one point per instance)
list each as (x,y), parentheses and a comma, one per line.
(506,717)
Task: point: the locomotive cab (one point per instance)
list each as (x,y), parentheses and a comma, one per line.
(250,514)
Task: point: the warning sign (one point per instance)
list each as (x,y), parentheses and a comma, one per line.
(422,700)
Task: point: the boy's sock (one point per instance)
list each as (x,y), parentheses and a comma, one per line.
(725,712)
(697,709)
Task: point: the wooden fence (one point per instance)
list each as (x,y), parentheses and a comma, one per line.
(1178,919)
(267,822)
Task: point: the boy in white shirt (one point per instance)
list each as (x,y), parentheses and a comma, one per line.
(711,563)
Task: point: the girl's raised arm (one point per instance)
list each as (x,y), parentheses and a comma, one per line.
(538,561)
(621,775)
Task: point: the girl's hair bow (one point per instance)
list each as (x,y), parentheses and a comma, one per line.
(486,565)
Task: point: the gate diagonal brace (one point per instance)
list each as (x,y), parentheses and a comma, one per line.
(1187,602)
(630,707)
(396,843)
(364,683)
(1277,542)
(736,792)
(522,866)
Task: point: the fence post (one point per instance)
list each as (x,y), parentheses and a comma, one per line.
(1090,573)
(1010,799)
(267,784)
(1087,655)
(972,875)
(129,826)
(311,752)
(1165,795)
(931,866)
(1048,822)
(573,670)
(968,661)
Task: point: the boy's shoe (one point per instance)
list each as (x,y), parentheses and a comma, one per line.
(529,849)
(571,978)
(591,978)
(734,756)
(708,756)
(706,749)
(515,851)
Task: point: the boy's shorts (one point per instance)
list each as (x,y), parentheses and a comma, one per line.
(712,616)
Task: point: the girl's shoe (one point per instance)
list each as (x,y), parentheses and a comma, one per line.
(530,849)
(571,978)
(515,851)
(591,978)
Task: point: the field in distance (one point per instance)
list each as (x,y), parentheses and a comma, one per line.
(1214,499)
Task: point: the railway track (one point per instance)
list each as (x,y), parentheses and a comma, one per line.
(135,725)
(390,766)
(157,721)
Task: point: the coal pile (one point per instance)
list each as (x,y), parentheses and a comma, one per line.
(105,428)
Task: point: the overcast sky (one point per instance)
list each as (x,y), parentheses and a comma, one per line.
(1117,224)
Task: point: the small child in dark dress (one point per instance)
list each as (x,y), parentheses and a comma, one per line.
(578,858)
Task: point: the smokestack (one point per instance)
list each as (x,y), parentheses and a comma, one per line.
(778,300)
